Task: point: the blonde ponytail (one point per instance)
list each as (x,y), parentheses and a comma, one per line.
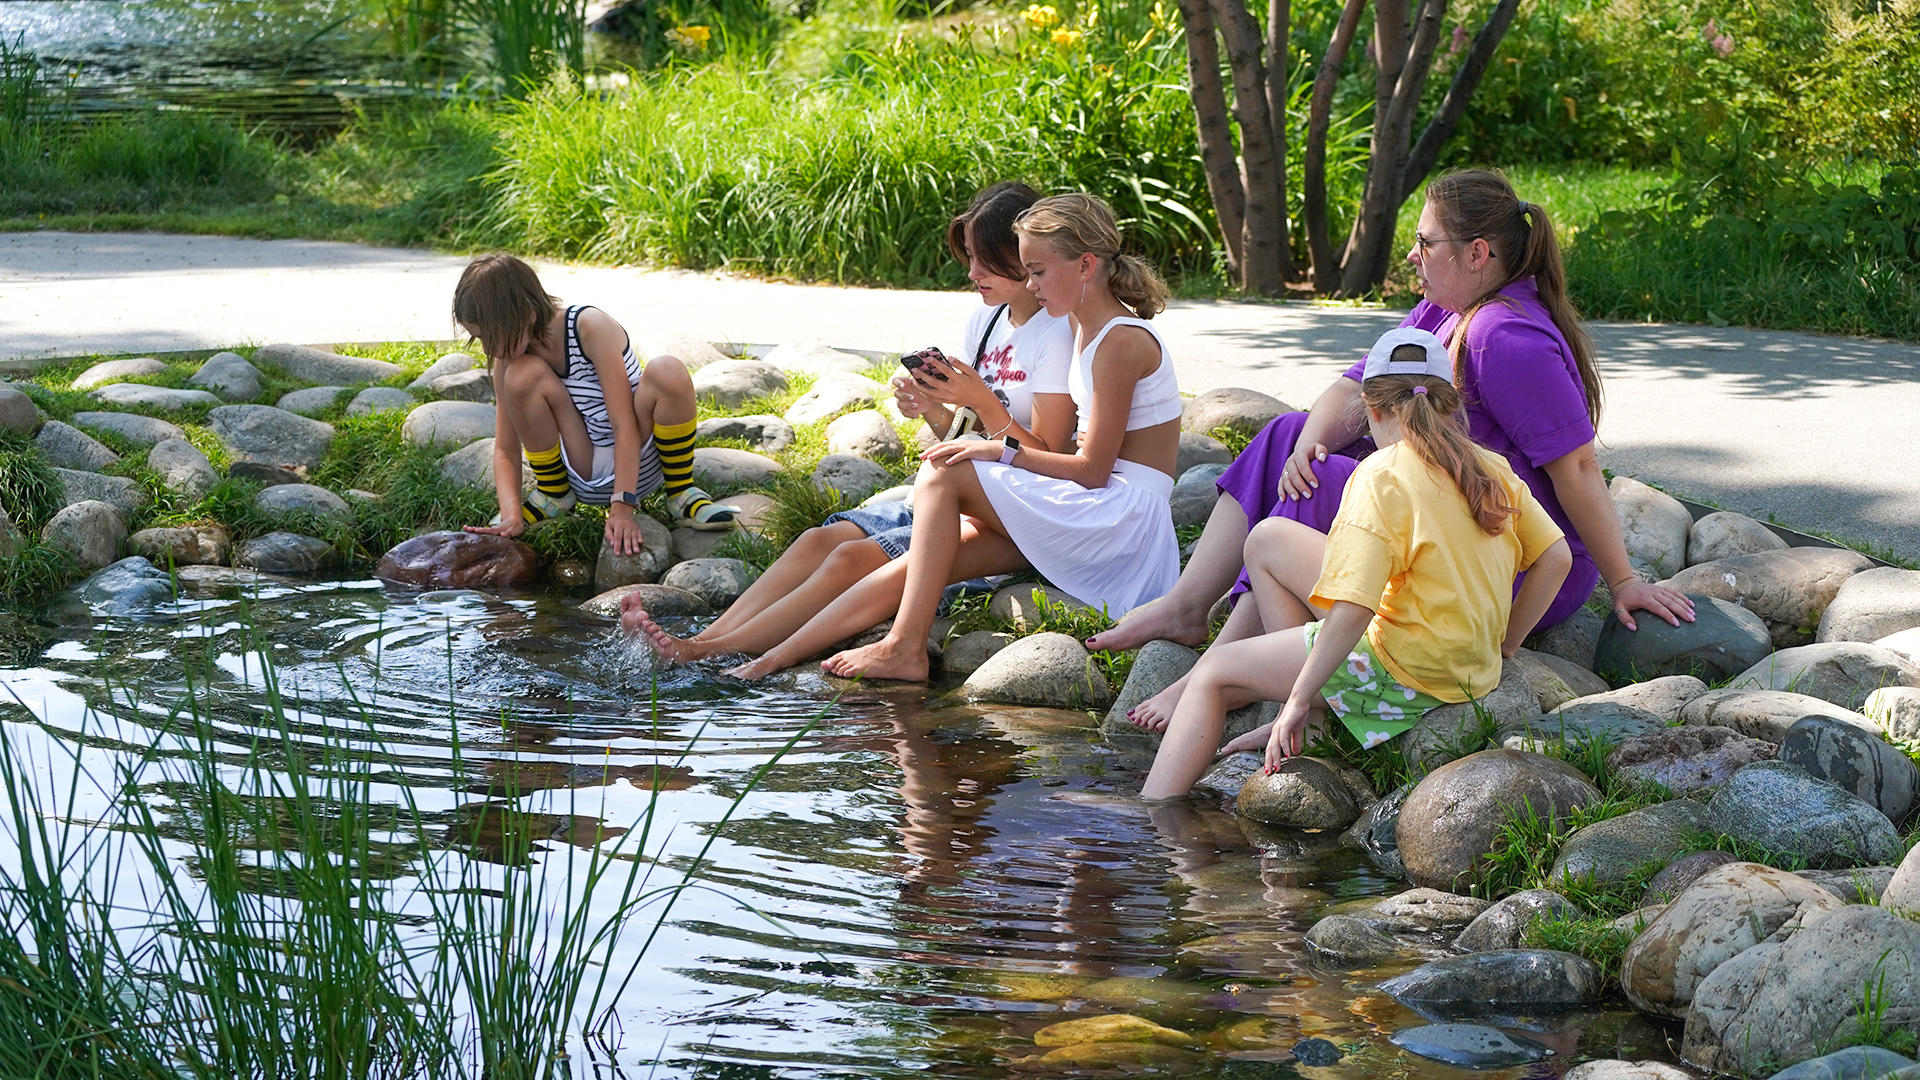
(1134,284)
(1427,410)
(1081,224)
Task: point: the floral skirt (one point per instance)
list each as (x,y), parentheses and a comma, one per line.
(1364,695)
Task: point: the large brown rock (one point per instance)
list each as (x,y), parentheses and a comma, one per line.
(1722,914)
(1452,817)
(459,560)
(1788,588)
(1304,792)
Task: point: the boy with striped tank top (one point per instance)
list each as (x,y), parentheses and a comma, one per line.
(595,424)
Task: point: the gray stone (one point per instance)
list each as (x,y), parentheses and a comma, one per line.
(1469,1046)
(314,366)
(197,545)
(1616,1069)
(1896,710)
(660,601)
(208,582)
(653,559)
(732,383)
(121,492)
(1664,697)
(1453,731)
(1761,714)
(718,582)
(1016,604)
(1245,411)
(1199,448)
(302,498)
(1505,924)
(70,448)
(471,466)
(1611,851)
(1788,588)
(1052,670)
(128,587)
(1572,639)
(1229,774)
(854,477)
(767,432)
(264,434)
(1855,758)
(1686,759)
(1857,885)
(1537,978)
(11,541)
(464,386)
(695,352)
(111,370)
(229,376)
(1304,793)
(1655,526)
(1853,1063)
(89,532)
(816,358)
(451,364)
(1203,474)
(691,543)
(1777,1001)
(1192,504)
(381,399)
(1555,681)
(1724,639)
(1158,665)
(1377,830)
(137,396)
(966,653)
(1347,941)
(1842,672)
(286,553)
(448,424)
(1904,642)
(1781,808)
(1426,911)
(1608,723)
(1726,911)
(1873,604)
(1903,889)
(18,412)
(865,434)
(1725,534)
(1678,874)
(1450,821)
(134,428)
(1316,1053)
(727,467)
(832,395)
(182,467)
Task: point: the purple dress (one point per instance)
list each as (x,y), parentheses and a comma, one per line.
(1524,401)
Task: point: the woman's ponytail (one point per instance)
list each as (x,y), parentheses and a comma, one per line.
(1134,284)
(1427,409)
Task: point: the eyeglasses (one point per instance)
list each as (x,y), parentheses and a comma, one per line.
(1424,243)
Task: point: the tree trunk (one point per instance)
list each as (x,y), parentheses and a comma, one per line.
(1210,122)
(1279,33)
(1264,223)
(1313,193)
(1465,81)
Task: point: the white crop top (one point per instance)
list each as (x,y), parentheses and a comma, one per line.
(1156,398)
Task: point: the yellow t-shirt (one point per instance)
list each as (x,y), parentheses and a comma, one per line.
(1405,545)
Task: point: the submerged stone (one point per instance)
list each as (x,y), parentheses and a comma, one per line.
(1109,1029)
(1470,1046)
(1317,1053)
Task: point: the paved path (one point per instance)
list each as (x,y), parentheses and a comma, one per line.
(1819,432)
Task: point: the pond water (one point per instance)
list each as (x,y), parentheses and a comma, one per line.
(910,889)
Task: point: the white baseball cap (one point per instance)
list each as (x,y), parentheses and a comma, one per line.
(1380,359)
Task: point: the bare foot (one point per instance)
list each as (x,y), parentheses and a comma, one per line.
(884,659)
(758,668)
(1154,713)
(672,649)
(1161,622)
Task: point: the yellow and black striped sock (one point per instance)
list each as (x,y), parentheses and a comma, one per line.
(675,444)
(549,479)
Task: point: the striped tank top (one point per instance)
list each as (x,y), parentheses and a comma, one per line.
(583,382)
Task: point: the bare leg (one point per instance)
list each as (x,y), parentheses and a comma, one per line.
(879,594)
(1181,615)
(542,412)
(1227,677)
(664,396)
(849,564)
(1242,623)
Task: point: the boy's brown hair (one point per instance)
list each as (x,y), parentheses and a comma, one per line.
(500,298)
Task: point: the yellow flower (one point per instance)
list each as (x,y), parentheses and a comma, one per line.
(1041,16)
(691,37)
(1067,38)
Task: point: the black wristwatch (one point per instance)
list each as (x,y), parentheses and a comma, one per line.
(627,497)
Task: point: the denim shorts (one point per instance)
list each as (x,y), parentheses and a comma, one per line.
(889,524)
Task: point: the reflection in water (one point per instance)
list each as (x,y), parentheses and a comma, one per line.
(906,889)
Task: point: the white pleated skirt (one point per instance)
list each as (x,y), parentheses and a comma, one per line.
(1111,547)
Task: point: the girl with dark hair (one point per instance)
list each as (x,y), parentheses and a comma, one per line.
(1407,604)
(1495,287)
(1014,382)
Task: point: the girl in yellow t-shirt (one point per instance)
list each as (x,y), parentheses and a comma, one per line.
(1413,604)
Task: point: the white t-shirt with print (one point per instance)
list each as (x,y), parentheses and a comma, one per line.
(1019,362)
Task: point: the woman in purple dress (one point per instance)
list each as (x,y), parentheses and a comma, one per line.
(1495,289)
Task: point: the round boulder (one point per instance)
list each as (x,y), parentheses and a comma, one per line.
(717,582)
(1761,714)
(110,370)
(302,498)
(1347,941)
(18,412)
(1787,588)
(317,366)
(137,396)
(1896,709)
(1192,503)
(1540,978)
(1052,670)
(652,560)
(286,553)
(1199,448)
(854,477)
(264,434)
(1903,891)
(732,383)
(1723,639)
(1725,534)
(659,601)
(451,364)
(471,466)
(1780,807)
(462,386)
(89,532)
(182,467)
(767,432)
(1611,851)
(832,395)
(1304,793)
(1680,873)
(229,376)
(380,399)
(123,493)
(1688,758)
(1505,924)
(459,560)
(198,545)
(865,434)
(1842,672)
(133,427)
(1855,758)
(70,448)
(128,587)
(1450,821)
(816,358)
(1655,526)
(1663,697)
(728,467)
(964,654)
(1873,604)
(1245,411)
(448,424)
